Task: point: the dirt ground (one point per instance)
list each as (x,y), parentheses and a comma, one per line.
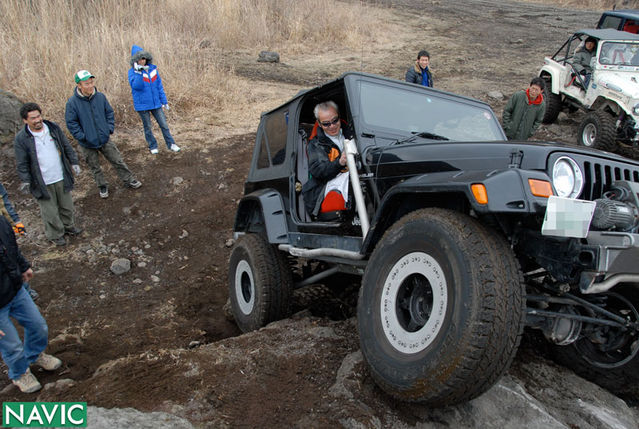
(175,229)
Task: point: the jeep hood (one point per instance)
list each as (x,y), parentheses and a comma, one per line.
(405,160)
(623,82)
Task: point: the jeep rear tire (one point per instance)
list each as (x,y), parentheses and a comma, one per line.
(598,131)
(441,308)
(553,106)
(260,283)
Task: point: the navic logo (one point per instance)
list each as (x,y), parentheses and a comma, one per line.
(44,414)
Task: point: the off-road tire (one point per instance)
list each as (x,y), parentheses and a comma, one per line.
(598,131)
(553,106)
(260,283)
(621,380)
(467,272)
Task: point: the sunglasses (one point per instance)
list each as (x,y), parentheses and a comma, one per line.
(333,121)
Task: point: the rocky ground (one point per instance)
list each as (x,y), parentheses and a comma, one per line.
(156,339)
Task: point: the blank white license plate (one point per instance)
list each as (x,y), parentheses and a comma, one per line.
(566,217)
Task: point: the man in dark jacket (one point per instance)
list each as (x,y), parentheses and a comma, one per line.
(326,160)
(420,73)
(149,97)
(15,302)
(45,161)
(90,120)
(524,111)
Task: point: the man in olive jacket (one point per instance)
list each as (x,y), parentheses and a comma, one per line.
(524,112)
(46,161)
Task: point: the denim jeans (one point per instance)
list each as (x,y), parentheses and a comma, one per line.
(158,114)
(17,356)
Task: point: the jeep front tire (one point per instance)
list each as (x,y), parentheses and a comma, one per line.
(441,308)
(598,131)
(260,283)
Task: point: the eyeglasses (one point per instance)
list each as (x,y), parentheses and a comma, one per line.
(333,121)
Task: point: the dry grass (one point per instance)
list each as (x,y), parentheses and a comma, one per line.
(44,42)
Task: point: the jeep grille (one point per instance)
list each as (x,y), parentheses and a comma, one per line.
(599,176)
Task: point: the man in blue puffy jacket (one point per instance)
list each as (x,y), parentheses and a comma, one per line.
(149,97)
(90,120)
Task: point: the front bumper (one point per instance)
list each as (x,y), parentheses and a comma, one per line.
(616,261)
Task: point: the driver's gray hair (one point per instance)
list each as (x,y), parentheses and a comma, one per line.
(326,105)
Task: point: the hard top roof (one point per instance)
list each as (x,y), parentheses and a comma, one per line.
(626,13)
(609,34)
(355,75)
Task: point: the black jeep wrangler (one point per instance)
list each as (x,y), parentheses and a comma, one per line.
(460,238)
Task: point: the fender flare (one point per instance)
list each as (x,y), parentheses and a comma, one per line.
(508,192)
(554,78)
(262,211)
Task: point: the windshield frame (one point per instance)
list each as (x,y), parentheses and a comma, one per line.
(363,88)
(614,57)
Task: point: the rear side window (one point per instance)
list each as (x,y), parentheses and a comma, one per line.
(611,22)
(273,141)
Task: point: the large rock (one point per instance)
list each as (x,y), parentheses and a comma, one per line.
(10,120)
(310,373)
(120,266)
(103,418)
(268,57)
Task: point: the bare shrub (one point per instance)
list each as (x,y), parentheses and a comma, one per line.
(44,42)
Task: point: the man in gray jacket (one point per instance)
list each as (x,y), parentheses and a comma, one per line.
(46,161)
(583,57)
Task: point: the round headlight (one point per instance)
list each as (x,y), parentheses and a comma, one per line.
(635,109)
(567,178)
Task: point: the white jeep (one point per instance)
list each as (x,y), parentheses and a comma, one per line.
(610,95)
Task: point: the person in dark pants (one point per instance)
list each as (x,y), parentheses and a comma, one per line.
(46,162)
(16,303)
(420,73)
(91,121)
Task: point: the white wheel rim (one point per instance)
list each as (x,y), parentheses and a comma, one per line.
(589,135)
(244,287)
(411,268)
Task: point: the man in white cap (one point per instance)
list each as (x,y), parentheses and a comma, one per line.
(90,120)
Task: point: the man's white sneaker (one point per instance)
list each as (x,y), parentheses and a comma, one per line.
(175,148)
(48,362)
(27,383)
(154,151)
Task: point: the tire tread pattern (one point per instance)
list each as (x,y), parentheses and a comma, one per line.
(272,278)
(494,330)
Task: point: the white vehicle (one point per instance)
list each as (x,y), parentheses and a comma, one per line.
(609,95)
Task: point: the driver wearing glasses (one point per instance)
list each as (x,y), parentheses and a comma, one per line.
(327,188)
